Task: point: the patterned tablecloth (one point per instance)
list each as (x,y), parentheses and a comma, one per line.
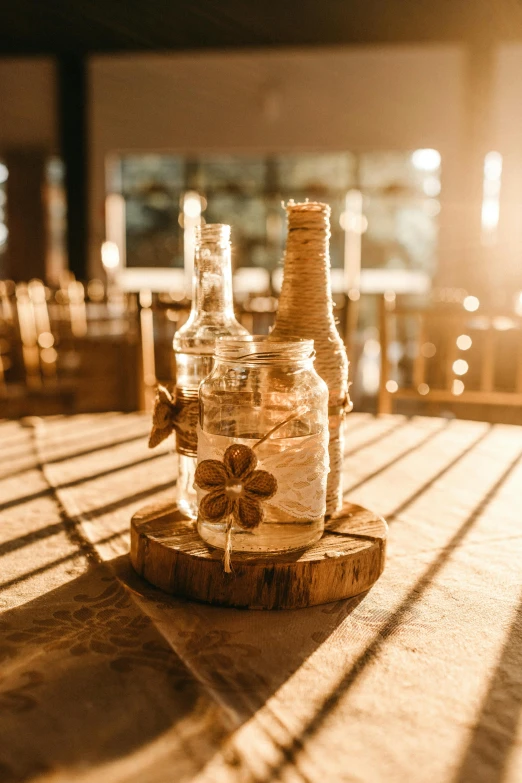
(106,679)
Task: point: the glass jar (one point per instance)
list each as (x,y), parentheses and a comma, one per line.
(212,314)
(264,395)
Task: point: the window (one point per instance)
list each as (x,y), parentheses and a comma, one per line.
(397,223)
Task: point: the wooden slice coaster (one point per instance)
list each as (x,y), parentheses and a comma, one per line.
(349,558)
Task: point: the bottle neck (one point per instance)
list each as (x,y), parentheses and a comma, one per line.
(212,283)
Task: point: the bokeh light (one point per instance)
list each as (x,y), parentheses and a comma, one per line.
(426,160)
(457,387)
(110,255)
(493,165)
(471,303)
(45,340)
(431,186)
(428,350)
(192,204)
(502,324)
(372,347)
(49,355)
(464,342)
(460,367)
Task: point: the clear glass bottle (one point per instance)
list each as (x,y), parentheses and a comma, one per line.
(211,316)
(267,396)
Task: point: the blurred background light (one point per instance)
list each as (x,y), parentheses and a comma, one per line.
(95,290)
(45,340)
(471,303)
(502,323)
(457,387)
(192,206)
(110,255)
(464,342)
(431,186)
(490,214)
(49,355)
(491,197)
(460,367)
(493,166)
(428,350)
(372,347)
(426,160)
(395,351)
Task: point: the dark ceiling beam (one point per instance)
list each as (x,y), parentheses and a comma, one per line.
(90,26)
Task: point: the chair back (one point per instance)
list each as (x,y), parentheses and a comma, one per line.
(443,356)
(159,318)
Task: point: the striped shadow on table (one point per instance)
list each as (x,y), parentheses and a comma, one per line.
(289,752)
(495,731)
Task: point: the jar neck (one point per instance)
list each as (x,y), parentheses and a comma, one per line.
(261,351)
(287,364)
(212,282)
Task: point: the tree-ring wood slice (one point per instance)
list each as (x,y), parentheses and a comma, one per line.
(167,551)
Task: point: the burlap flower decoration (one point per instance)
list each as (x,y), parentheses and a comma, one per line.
(173,413)
(235,488)
(162,415)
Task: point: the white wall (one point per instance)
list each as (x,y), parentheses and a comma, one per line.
(28,103)
(317,100)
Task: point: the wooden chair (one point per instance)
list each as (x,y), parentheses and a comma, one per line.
(446,356)
(159,319)
(29,381)
(8,331)
(346,312)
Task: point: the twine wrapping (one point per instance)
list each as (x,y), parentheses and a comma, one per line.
(306,311)
(177,413)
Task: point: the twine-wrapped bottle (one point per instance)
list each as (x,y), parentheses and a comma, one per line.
(306,311)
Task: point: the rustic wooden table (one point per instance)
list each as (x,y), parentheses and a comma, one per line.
(106,679)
